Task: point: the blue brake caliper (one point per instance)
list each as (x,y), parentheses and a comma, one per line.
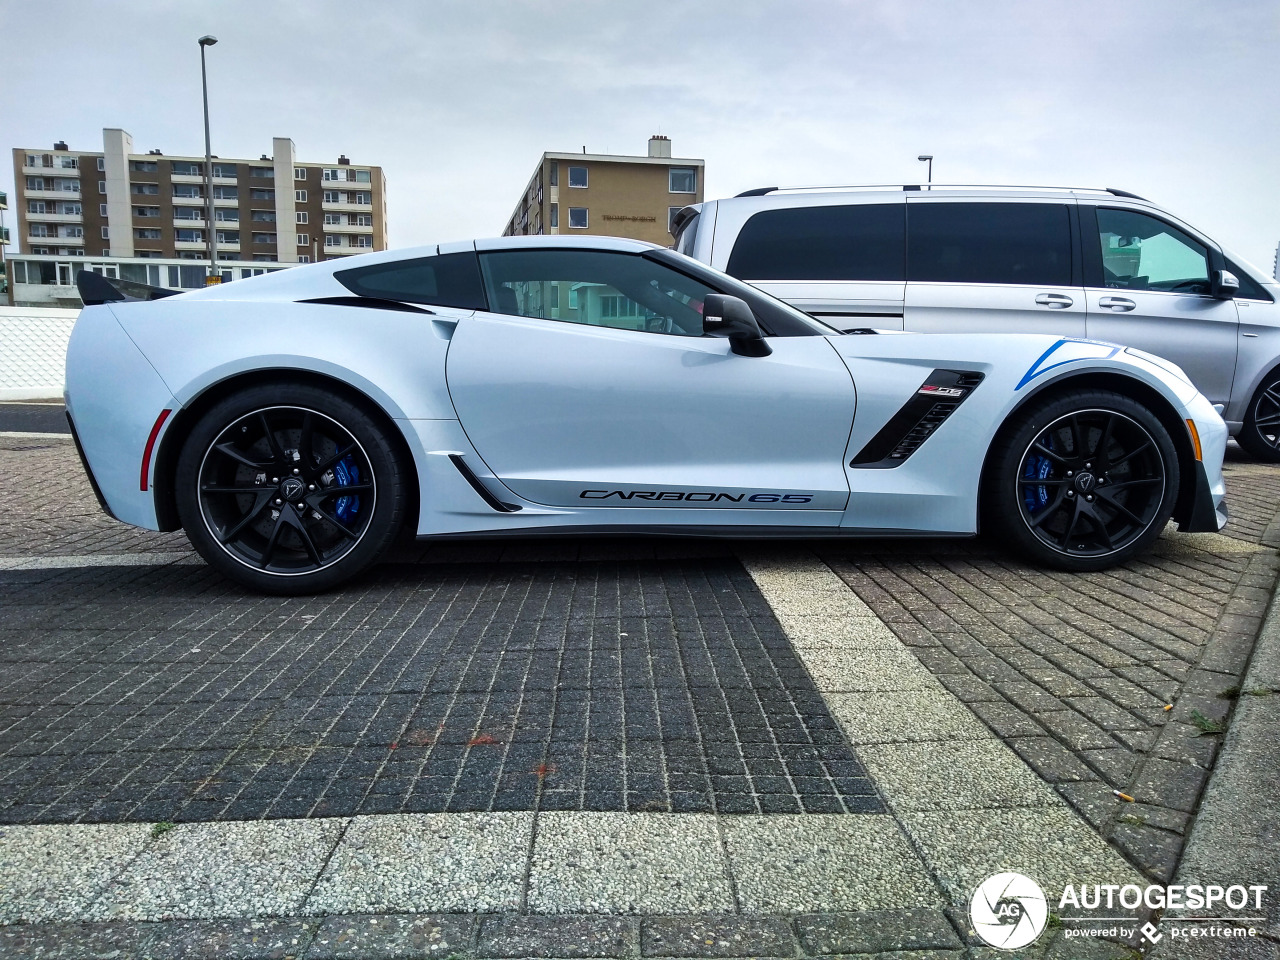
(1037,468)
(346,473)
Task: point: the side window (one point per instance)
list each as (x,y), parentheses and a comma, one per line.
(451,280)
(619,290)
(1142,253)
(957,242)
(847,242)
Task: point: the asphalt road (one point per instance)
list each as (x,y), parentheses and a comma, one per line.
(33,417)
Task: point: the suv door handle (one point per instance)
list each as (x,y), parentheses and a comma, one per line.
(1055,301)
(1116,304)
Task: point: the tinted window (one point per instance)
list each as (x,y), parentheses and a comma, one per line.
(1142,253)
(1250,289)
(989,243)
(617,290)
(451,280)
(847,242)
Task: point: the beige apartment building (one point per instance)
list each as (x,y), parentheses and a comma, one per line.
(119,203)
(608,195)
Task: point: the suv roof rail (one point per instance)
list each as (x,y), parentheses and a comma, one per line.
(762,191)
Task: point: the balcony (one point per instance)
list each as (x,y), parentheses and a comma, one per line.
(348,228)
(228,247)
(344,251)
(56,217)
(53,171)
(346,207)
(182,223)
(194,245)
(191,178)
(51,194)
(220,202)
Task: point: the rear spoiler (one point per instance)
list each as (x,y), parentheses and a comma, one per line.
(96,289)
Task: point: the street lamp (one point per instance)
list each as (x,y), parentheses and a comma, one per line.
(214,275)
(928,158)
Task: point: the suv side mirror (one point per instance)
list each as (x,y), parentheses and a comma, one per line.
(725,316)
(1225,284)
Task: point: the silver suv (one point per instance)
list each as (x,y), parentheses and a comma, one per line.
(1102,264)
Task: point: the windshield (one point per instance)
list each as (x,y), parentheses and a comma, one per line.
(776,318)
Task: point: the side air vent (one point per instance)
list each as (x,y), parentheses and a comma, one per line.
(929,407)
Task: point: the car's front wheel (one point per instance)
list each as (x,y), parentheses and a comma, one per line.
(289,488)
(1083,481)
(1260,435)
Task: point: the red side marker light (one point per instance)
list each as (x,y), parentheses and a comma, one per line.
(151,443)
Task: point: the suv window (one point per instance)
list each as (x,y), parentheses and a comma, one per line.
(846,242)
(1027,243)
(1142,253)
(619,290)
(451,280)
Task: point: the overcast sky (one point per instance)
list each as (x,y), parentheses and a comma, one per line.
(1173,100)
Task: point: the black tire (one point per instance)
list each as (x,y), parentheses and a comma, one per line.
(290,488)
(1260,435)
(1082,481)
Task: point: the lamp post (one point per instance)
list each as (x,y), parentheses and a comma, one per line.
(926,157)
(211,236)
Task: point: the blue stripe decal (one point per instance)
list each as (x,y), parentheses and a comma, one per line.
(1039,366)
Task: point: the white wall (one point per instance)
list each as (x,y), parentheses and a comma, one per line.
(33,352)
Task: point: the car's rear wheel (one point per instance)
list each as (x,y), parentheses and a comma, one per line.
(1083,481)
(1260,436)
(289,488)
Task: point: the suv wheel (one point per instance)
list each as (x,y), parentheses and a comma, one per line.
(1083,481)
(1261,434)
(289,488)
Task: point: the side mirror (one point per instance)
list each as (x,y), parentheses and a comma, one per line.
(725,316)
(1225,284)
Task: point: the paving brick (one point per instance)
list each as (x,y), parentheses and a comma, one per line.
(390,937)
(1047,757)
(876,931)
(514,935)
(717,936)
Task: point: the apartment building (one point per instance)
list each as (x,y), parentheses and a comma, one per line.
(123,204)
(608,195)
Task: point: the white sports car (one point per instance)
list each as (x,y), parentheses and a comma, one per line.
(294,423)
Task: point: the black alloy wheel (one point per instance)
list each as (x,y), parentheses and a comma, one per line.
(1260,436)
(1085,481)
(289,496)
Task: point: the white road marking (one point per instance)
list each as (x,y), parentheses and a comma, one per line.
(98,560)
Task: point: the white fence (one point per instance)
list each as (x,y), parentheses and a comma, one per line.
(33,351)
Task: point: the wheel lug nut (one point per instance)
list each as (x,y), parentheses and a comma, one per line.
(275,479)
(311,486)
(278,502)
(1070,473)
(296,470)
(1070,493)
(1089,498)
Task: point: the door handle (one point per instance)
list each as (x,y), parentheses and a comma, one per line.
(1116,304)
(1055,301)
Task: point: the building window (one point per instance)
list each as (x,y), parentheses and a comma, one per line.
(187,213)
(555,215)
(300,216)
(263,216)
(142,166)
(332,218)
(187,190)
(102,209)
(364,220)
(188,236)
(262,172)
(102,186)
(102,164)
(228,236)
(70,209)
(577,178)
(35,206)
(553,175)
(578,218)
(264,258)
(300,196)
(332,196)
(146,233)
(226,193)
(224,170)
(683,180)
(38,230)
(232,215)
(141,211)
(152,189)
(362,198)
(264,238)
(35,183)
(304,240)
(331,241)
(361,176)
(304,259)
(184,168)
(105,234)
(259,193)
(364,241)
(299,173)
